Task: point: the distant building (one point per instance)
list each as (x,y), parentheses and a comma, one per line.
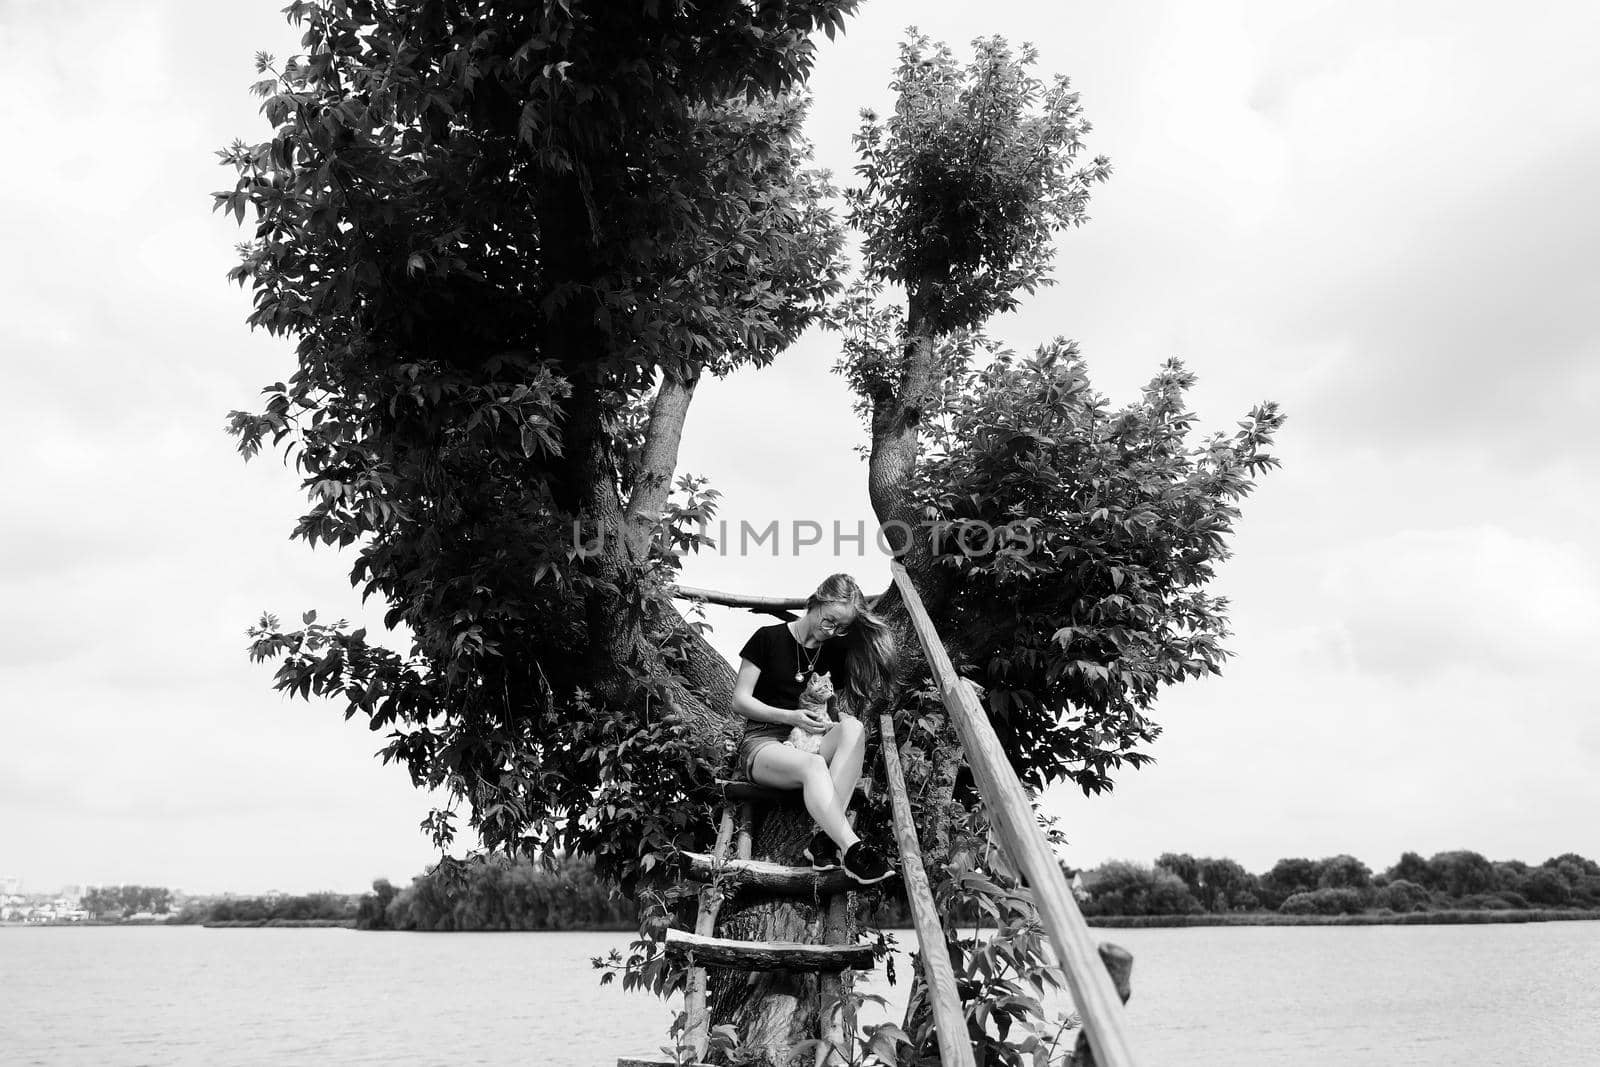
(10,885)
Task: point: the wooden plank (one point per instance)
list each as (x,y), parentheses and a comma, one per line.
(657,1062)
(749,792)
(950,1023)
(739,789)
(769,605)
(753,601)
(1104,1018)
(760,874)
(767,955)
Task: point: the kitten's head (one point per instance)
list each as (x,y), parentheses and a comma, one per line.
(819,685)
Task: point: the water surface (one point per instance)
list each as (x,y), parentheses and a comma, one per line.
(1237,996)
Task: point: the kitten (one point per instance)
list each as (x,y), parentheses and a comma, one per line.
(819,687)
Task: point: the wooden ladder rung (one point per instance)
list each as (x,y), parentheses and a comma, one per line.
(772,877)
(746,792)
(737,790)
(768,955)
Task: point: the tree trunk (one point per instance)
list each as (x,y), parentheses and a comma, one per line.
(773,1010)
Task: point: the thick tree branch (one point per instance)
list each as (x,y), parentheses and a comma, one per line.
(652,483)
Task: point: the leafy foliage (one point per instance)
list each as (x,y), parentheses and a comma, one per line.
(489,230)
(1325,902)
(1095,601)
(498,893)
(964,186)
(1401,896)
(335,908)
(1125,888)
(1216,884)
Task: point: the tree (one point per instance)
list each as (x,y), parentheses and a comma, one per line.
(1225,885)
(1122,888)
(1343,872)
(1401,895)
(1460,873)
(1545,886)
(372,914)
(1218,884)
(510,244)
(1185,866)
(1412,868)
(1288,877)
(1324,902)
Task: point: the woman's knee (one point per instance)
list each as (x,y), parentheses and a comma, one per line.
(847,733)
(815,767)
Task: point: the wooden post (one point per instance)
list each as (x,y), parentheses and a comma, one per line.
(746,818)
(1104,1019)
(696,1019)
(1119,963)
(833,1027)
(955,1046)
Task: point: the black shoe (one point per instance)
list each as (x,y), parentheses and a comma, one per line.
(862,862)
(822,852)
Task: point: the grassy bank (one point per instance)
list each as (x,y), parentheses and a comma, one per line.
(1415,918)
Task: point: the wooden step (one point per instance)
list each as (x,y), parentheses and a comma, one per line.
(772,877)
(767,955)
(741,790)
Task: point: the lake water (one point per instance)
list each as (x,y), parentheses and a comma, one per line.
(1237,996)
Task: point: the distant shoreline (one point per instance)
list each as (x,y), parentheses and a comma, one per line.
(1455,917)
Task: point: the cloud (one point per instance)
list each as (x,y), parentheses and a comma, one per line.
(1412,603)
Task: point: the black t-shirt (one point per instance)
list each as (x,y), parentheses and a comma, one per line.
(781,657)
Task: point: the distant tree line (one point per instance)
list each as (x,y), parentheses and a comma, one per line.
(310,907)
(499,894)
(121,901)
(1180,884)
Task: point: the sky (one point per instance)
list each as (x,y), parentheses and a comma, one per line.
(1379,215)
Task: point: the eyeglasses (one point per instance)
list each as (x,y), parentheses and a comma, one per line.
(834,628)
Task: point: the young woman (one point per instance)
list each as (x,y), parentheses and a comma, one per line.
(839,636)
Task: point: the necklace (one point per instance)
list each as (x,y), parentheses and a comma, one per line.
(801,670)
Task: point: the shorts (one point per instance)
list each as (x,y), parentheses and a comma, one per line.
(749,746)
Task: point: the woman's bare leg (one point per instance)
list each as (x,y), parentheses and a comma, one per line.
(842,748)
(784,767)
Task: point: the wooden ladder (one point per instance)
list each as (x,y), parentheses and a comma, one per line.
(721,873)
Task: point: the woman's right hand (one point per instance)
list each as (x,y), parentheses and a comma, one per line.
(813,720)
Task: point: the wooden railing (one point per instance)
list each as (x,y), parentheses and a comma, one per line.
(1098,1004)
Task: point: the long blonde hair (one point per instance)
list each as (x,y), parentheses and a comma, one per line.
(870,646)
